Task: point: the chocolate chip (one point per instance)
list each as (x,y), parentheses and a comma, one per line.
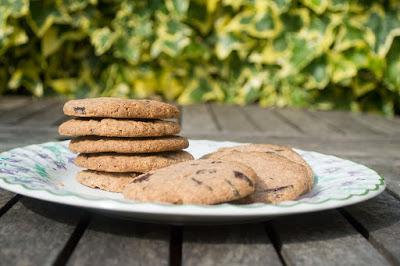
(209,188)
(276,189)
(198,182)
(206,171)
(80,110)
(244,177)
(142,178)
(234,189)
(214,162)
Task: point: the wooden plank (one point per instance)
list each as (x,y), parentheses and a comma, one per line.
(268,122)
(11,137)
(307,123)
(232,118)
(228,245)
(17,115)
(12,102)
(5,197)
(343,148)
(34,232)
(324,238)
(378,123)
(197,118)
(47,117)
(110,241)
(345,122)
(380,217)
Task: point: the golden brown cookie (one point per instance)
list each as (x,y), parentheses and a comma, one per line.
(120,108)
(140,163)
(93,144)
(118,128)
(279,179)
(194,182)
(113,182)
(275,149)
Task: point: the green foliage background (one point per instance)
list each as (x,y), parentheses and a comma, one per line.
(306,53)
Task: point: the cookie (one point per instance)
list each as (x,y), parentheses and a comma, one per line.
(275,149)
(141,163)
(194,182)
(113,182)
(93,144)
(120,108)
(118,128)
(279,179)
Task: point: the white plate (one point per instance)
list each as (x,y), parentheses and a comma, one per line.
(46,171)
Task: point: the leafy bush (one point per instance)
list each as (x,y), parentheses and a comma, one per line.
(324,54)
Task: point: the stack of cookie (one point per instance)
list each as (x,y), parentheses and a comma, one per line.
(119,139)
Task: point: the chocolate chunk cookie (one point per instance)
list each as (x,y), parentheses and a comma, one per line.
(120,108)
(275,149)
(93,144)
(141,163)
(113,182)
(118,128)
(193,182)
(279,179)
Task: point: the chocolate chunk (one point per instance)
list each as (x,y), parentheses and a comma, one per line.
(243,176)
(80,110)
(214,162)
(234,189)
(142,178)
(277,189)
(206,171)
(198,182)
(209,188)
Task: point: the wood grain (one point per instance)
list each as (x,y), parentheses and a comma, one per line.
(33,232)
(19,114)
(270,123)
(49,116)
(380,217)
(5,197)
(232,118)
(197,118)
(228,245)
(308,124)
(324,238)
(110,241)
(345,122)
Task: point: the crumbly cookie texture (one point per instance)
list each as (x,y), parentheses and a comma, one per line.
(141,163)
(193,182)
(283,151)
(120,108)
(94,144)
(107,127)
(278,178)
(113,182)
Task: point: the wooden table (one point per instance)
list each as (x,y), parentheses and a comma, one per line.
(33,232)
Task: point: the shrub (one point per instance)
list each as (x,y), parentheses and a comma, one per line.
(322,54)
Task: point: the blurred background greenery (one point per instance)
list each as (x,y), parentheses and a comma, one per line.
(316,54)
